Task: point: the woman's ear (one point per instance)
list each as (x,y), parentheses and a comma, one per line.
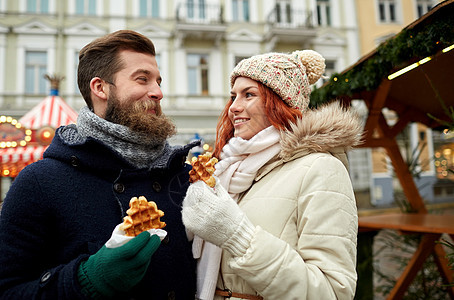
(98,88)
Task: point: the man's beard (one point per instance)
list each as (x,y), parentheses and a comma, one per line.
(135,116)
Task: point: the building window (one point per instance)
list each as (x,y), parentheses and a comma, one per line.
(240,10)
(423,6)
(330,69)
(387,11)
(196,9)
(158,59)
(239,58)
(149,8)
(86,7)
(360,171)
(197,74)
(76,66)
(323,13)
(35,69)
(283,12)
(37,6)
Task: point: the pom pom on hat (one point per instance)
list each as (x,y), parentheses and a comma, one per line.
(314,63)
(288,75)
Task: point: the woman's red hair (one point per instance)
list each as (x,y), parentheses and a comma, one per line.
(277,111)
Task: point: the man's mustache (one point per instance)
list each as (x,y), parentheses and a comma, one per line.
(141,106)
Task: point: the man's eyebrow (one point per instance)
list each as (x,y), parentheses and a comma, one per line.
(145,72)
(140,71)
(245,89)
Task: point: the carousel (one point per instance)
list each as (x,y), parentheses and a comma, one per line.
(24,141)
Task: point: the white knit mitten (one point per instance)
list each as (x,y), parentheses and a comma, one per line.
(215,217)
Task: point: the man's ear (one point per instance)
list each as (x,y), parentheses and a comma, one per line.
(98,88)
(99,95)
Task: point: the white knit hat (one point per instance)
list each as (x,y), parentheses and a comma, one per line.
(288,75)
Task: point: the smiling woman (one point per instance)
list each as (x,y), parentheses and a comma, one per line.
(247,112)
(248,228)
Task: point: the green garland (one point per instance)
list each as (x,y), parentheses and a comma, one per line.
(409,45)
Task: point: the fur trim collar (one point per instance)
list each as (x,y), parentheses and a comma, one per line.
(325,129)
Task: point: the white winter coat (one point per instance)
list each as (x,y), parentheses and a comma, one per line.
(304,210)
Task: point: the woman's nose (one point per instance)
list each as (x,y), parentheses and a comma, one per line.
(236,106)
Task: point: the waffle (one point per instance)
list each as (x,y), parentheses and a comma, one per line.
(203,169)
(142,216)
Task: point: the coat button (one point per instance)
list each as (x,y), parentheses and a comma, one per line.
(45,277)
(156,187)
(74,161)
(119,187)
(171,295)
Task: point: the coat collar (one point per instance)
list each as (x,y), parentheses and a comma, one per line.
(330,129)
(94,155)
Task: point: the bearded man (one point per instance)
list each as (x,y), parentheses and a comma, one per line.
(61,210)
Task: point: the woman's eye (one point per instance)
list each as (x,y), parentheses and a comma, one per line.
(248,95)
(232,98)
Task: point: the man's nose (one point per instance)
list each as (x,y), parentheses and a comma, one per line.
(155,92)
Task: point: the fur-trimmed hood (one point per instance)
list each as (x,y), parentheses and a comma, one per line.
(330,128)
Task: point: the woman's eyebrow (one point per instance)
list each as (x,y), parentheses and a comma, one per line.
(244,90)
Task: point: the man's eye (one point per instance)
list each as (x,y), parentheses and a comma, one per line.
(144,79)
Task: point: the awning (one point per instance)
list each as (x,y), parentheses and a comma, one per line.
(13,160)
(24,154)
(51,112)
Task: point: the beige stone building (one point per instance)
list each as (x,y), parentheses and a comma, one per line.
(198,42)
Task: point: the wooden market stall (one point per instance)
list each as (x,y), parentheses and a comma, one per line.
(410,74)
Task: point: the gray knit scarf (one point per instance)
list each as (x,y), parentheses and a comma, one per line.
(138,149)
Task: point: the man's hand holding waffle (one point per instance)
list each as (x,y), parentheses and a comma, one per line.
(128,252)
(142,216)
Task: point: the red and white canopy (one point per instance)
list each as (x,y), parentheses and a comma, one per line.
(21,154)
(52,111)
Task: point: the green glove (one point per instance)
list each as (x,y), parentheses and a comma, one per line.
(116,270)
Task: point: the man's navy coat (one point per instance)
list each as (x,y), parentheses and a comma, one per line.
(64,207)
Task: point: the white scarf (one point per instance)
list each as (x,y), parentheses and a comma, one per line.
(239,163)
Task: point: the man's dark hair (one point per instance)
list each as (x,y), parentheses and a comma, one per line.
(100,58)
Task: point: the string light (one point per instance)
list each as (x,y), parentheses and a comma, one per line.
(409,68)
(45,134)
(448,48)
(18,126)
(417,64)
